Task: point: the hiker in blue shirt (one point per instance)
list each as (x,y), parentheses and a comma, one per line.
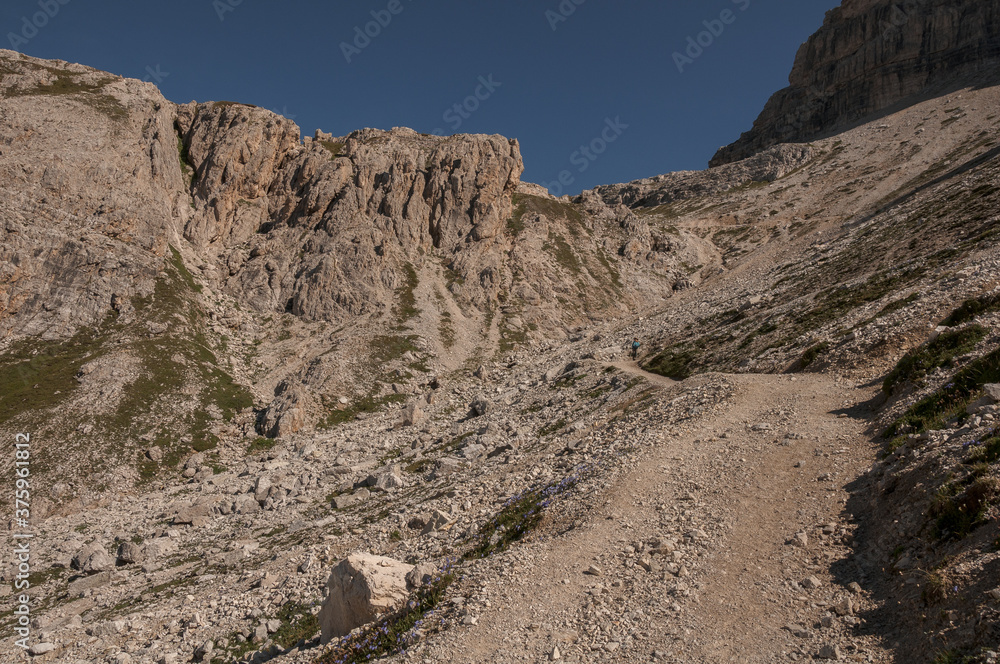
(635,348)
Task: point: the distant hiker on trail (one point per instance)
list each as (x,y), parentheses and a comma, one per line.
(635,348)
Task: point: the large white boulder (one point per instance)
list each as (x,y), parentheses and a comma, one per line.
(362,588)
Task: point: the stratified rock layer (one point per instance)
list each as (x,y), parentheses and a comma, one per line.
(869,55)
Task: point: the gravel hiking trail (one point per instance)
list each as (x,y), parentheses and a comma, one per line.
(739,482)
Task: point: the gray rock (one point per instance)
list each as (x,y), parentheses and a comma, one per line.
(84,583)
(344,501)
(261,488)
(412,415)
(246,503)
(812,583)
(92,559)
(130,553)
(844,607)
(386,479)
(829,651)
(204,651)
(41,648)
(437,521)
(799,631)
(473,451)
(421,575)
(480,406)
(444,467)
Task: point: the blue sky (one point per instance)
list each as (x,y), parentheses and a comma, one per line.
(559,75)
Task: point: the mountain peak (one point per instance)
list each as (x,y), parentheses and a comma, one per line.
(869,56)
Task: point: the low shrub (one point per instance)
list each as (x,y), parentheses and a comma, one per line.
(972,308)
(939,353)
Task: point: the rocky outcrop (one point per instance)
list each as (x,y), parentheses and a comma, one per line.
(89,183)
(869,55)
(767,166)
(361,588)
(323,229)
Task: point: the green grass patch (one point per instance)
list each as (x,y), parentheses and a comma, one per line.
(949,402)
(40,375)
(563,253)
(386,348)
(406,305)
(835,303)
(892,307)
(519,516)
(446,330)
(185,274)
(67,84)
(939,353)
(509,337)
(172,585)
(552,427)
(419,467)
(42,577)
(986,451)
(616,277)
(675,363)
(970,309)
(261,444)
(567,381)
(599,391)
(553,209)
(958,509)
(810,355)
(370,403)
(297,624)
(335,148)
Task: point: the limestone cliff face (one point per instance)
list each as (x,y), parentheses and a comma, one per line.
(101,174)
(323,229)
(89,184)
(869,55)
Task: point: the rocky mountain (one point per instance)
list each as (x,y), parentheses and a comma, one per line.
(173,244)
(359,398)
(869,56)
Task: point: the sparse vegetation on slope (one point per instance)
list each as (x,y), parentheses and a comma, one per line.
(939,353)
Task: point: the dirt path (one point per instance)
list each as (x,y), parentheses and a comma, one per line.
(632,367)
(730,489)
